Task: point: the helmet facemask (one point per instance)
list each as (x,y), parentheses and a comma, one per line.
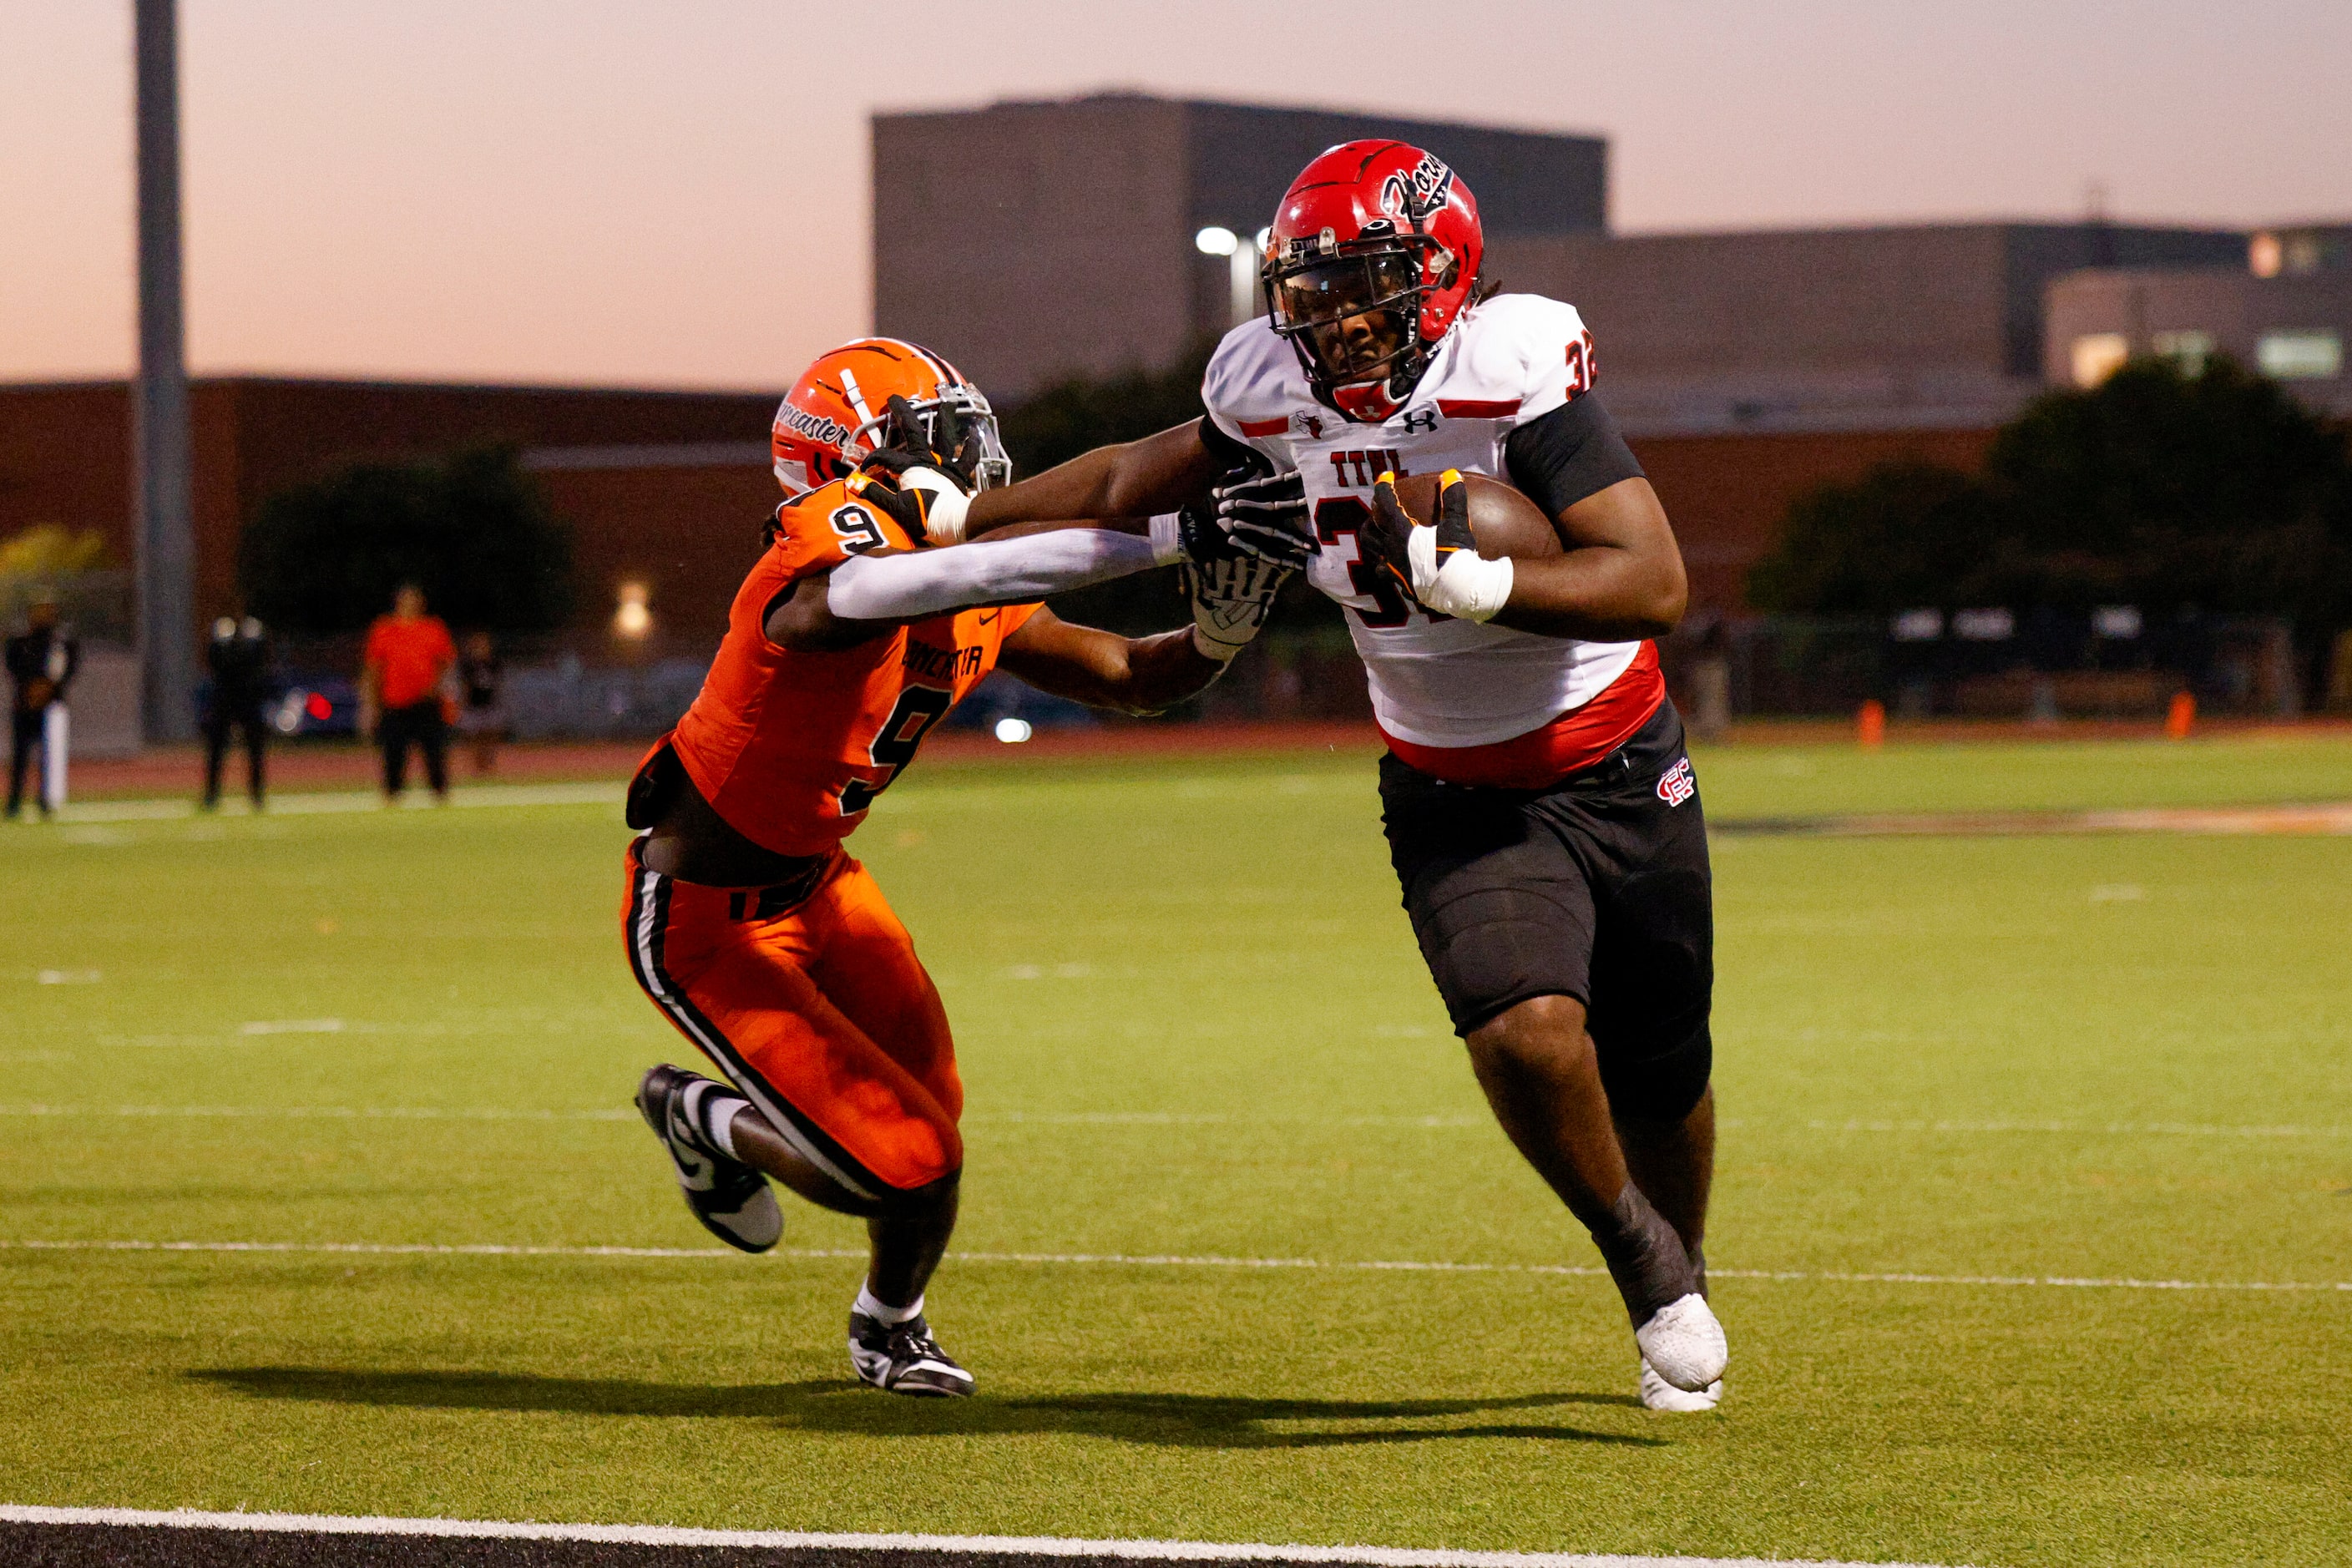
(957,417)
(1353,313)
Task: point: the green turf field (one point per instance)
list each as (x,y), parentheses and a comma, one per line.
(1193,1026)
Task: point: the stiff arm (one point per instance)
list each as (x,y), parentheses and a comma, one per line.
(869,595)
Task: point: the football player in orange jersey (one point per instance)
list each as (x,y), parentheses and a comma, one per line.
(759,937)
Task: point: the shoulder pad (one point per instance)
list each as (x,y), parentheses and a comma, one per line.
(1531,347)
(1254,384)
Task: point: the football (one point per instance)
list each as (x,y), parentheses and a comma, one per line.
(1504,521)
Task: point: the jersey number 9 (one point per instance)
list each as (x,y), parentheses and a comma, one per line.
(917,709)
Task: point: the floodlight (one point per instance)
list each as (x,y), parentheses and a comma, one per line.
(1216,240)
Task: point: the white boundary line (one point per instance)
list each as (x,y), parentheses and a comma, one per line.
(994,1545)
(1145,1260)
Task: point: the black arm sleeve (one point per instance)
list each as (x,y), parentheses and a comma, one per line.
(1570,453)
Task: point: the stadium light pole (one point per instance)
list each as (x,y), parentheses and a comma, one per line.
(1242,258)
(163,535)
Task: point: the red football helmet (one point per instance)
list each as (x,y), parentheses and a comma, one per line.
(1373,254)
(834,414)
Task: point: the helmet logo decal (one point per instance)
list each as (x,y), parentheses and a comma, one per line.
(816,427)
(1419,195)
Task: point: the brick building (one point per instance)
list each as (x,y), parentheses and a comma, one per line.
(662,489)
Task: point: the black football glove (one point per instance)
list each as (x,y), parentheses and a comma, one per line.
(923,480)
(946,447)
(1383,541)
(1200,539)
(1264,516)
(1438,567)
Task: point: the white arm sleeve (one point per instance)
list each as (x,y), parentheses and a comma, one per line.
(1000,572)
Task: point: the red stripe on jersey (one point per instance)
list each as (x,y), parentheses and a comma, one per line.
(1541,758)
(1478,408)
(1272,426)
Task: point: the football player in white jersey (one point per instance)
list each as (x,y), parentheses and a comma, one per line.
(1541,814)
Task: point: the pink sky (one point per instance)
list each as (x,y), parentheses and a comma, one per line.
(674,193)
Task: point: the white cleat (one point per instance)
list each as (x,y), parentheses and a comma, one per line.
(1657,1394)
(1684,1344)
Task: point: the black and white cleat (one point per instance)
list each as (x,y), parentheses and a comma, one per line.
(903,1358)
(731,1199)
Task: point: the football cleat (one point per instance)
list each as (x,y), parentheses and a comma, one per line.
(731,1199)
(903,1358)
(1684,1343)
(1657,1394)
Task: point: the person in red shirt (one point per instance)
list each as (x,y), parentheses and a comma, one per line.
(403,670)
(749,925)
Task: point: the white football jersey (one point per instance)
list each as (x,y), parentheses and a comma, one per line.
(1435,681)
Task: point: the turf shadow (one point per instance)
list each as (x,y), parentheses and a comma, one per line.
(841,1405)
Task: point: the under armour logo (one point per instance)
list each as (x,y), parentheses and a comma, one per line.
(1420,421)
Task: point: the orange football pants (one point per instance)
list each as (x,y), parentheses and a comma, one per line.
(809,1000)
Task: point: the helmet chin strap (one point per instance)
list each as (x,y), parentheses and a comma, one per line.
(1391,390)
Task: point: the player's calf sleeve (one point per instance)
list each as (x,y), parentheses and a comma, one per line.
(1645,1256)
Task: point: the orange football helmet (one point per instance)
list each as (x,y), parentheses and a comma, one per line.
(834,414)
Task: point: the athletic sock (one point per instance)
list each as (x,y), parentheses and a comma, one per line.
(1645,1256)
(710,1110)
(871,1306)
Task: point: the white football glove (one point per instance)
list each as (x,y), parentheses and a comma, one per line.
(1230,597)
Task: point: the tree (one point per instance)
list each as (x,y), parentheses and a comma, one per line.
(2213,492)
(474,531)
(1082,413)
(1904,534)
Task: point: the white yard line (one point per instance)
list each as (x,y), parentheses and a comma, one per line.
(778,1540)
(2116,1129)
(1130,1117)
(329,803)
(330,1112)
(1165,1260)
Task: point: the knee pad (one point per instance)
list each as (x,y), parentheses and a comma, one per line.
(1663,1086)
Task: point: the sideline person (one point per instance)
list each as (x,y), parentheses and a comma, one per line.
(237,656)
(404,678)
(42,661)
(482,706)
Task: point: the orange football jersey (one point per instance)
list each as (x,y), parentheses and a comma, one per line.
(791,747)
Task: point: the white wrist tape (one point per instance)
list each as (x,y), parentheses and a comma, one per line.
(991,572)
(943,519)
(1167,545)
(1467,586)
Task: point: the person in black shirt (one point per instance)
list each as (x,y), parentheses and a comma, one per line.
(238,658)
(483,719)
(41,662)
